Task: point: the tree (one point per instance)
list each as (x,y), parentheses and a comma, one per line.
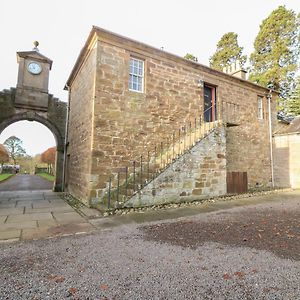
(4,156)
(190,56)
(276,49)
(14,147)
(293,103)
(48,157)
(228,52)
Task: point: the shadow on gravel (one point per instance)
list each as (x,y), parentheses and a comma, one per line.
(277,231)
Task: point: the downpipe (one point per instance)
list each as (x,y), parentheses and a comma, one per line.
(269,97)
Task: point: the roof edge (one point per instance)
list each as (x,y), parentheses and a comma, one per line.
(83,53)
(98,30)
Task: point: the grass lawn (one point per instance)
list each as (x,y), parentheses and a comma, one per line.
(5,176)
(46,176)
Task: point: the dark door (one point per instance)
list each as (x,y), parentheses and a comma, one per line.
(210,103)
(237,182)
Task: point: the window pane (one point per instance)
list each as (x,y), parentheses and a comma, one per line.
(260,108)
(140,81)
(140,71)
(136,74)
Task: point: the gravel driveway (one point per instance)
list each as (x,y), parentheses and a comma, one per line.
(241,253)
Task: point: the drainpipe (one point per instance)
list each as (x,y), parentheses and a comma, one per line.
(269,96)
(66,138)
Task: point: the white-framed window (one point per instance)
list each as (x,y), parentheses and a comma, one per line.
(260,110)
(136,75)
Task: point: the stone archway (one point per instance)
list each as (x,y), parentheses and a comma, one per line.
(53,117)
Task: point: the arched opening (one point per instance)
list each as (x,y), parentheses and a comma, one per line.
(37,135)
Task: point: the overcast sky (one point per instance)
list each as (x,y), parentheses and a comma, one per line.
(62,26)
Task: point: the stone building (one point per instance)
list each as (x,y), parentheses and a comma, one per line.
(127,98)
(286,154)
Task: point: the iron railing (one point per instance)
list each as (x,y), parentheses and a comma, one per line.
(131,179)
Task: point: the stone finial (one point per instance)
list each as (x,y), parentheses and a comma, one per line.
(36,43)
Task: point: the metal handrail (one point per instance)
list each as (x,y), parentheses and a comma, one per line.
(162,157)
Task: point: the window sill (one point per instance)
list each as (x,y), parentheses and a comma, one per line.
(134,91)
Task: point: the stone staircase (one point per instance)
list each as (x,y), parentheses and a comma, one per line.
(147,176)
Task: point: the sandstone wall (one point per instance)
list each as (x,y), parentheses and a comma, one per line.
(128,124)
(80,129)
(248,145)
(287,160)
(198,174)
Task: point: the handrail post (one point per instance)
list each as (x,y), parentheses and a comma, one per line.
(148,166)
(109,193)
(141,177)
(126,181)
(118,188)
(173,146)
(134,175)
(161,155)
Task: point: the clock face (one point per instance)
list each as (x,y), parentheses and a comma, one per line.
(34,68)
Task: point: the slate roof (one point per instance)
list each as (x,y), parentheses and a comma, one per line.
(293,127)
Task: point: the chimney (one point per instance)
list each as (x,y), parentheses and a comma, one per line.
(236,70)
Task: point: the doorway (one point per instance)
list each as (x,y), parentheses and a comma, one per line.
(210,103)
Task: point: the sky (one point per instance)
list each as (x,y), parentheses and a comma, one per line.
(62,27)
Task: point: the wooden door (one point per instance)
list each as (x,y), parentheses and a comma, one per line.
(237,182)
(210,103)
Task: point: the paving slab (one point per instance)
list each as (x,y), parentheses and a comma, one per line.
(35,233)
(58,202)
(71,228)
(32,213)
(10,234)
(7,205)
(65,208)
(24,203)
(47,223)
(30,198)
(29,217)
(68,217)
(11,211)
(18,226)
(90,212)
(60,230)
(42,204)
(109,222)
(3,219)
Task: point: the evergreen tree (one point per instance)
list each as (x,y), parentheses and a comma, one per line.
(228,52)
(190,56)
(276,50)
(293,104)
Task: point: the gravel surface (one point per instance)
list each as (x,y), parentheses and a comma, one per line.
(169,260)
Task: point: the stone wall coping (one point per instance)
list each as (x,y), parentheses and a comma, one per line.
(101,34)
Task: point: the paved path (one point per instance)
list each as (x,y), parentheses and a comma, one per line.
(35,214)
(22,182)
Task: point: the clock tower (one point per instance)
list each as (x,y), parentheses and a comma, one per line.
(33,79)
